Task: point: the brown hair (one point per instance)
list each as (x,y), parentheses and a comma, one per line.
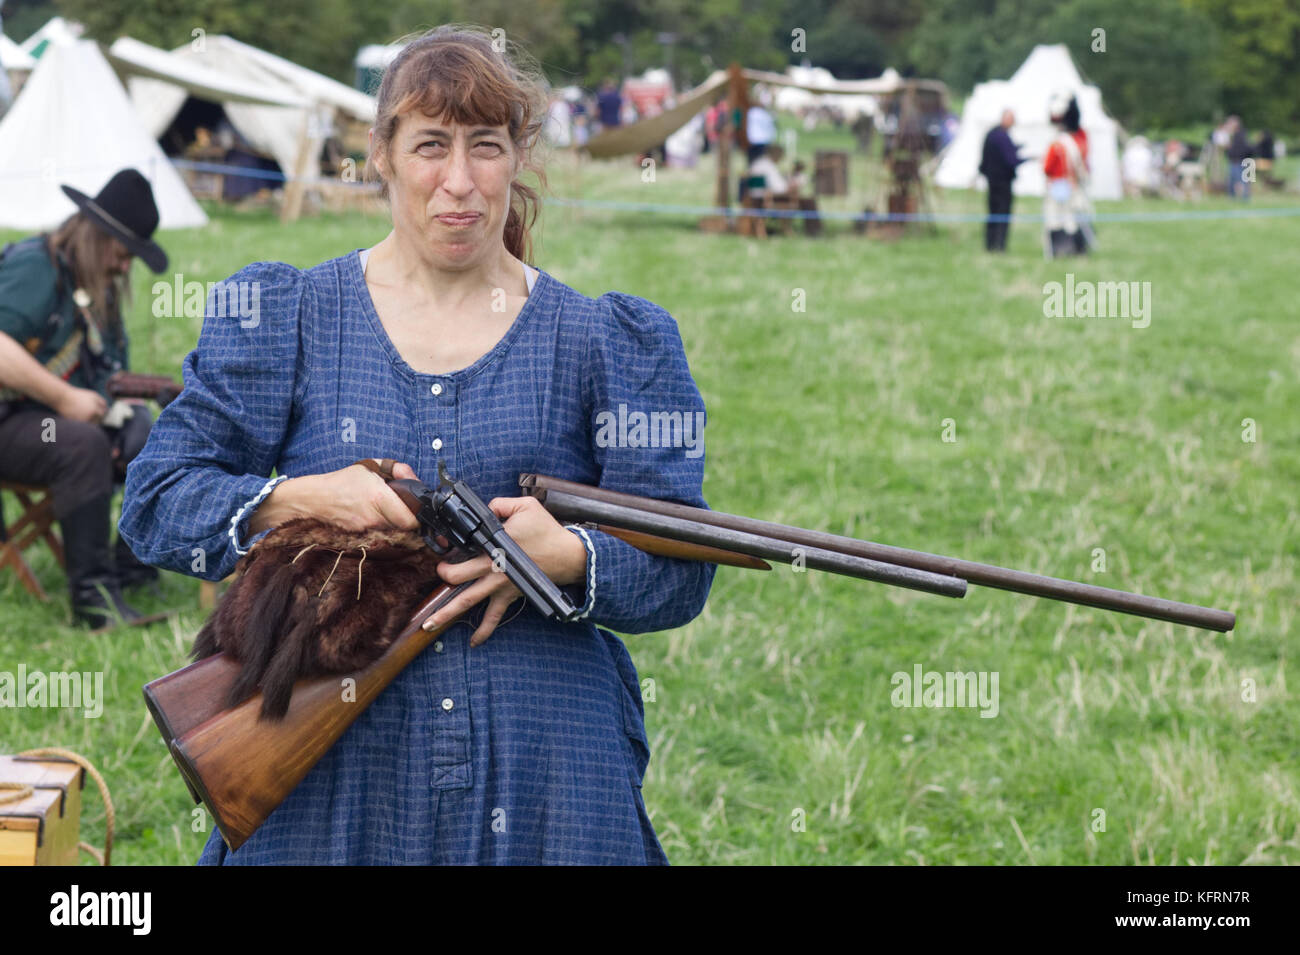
(457,70)
(88,251)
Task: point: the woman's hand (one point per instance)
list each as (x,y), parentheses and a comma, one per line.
(558,552)
(352,497)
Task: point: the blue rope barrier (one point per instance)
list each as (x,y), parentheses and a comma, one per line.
(869,217)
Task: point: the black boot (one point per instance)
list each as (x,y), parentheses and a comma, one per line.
(92,582)
(1062,245)
(131,571)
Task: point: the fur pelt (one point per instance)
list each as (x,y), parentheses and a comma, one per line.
(313,599)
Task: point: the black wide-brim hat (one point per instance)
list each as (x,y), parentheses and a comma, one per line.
(125,210)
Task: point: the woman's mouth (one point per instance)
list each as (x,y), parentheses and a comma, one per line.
(459,218)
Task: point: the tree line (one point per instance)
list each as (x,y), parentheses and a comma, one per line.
(1160,63)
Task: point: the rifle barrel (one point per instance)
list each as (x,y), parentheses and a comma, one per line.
(572,507)
(988,575)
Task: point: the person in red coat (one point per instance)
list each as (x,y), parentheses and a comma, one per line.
(1066,209)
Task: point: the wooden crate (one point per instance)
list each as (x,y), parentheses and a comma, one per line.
(41,829)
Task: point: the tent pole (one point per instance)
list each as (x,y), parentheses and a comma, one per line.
(294,189)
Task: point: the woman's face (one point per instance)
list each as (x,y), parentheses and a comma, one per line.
(449,186)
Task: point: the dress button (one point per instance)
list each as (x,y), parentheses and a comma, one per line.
(447,704)
(436,389)
(437,646)
(437,444)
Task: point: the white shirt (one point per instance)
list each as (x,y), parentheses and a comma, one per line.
(763,166)
(760,127)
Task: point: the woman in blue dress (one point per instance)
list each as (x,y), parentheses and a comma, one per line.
(439,343)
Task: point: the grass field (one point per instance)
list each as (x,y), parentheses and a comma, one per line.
(774,739)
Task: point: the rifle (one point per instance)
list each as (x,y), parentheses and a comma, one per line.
(242,767)
(128,384)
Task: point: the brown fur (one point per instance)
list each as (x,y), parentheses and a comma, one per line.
(279,623)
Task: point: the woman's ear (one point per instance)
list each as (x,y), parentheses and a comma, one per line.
(374,157)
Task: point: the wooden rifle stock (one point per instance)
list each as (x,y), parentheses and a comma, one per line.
(241,766)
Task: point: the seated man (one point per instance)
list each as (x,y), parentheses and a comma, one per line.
(61,337)
(766,166)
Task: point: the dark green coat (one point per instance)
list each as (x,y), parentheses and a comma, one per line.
(37,311)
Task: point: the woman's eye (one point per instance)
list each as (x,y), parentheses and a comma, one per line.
(490,145)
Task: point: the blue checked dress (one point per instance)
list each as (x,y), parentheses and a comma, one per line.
(530,748)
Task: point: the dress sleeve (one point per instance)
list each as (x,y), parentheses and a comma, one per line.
(647,419)
(190,492)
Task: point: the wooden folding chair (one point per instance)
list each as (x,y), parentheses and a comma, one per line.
(36,523)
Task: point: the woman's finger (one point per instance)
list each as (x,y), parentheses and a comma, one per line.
(464,570)
(393,512)
(483,587)
(496,609)
(459,604)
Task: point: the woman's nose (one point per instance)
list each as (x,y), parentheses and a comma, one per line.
(457,178)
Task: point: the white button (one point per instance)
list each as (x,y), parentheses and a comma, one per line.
(437,444)
(436,389)
(437,646)
(447,704)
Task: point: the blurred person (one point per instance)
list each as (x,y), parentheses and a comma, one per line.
(760,130)
(1138,163)
(609,104)
(1238,151)
(998,163)
(61,338)
(1067,212)
(1265,152)
(798,178)
(581,121)
(558,129)
(765,165)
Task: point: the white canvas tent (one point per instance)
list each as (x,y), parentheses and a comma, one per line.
(1047,70)
(13,57)
(291,133)
(56,32)
(73,124)
(194,77)
(817,87)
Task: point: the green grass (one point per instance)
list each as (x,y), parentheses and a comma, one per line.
(1071,435)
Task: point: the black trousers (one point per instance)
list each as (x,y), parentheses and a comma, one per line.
(73,458)
(995,232)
